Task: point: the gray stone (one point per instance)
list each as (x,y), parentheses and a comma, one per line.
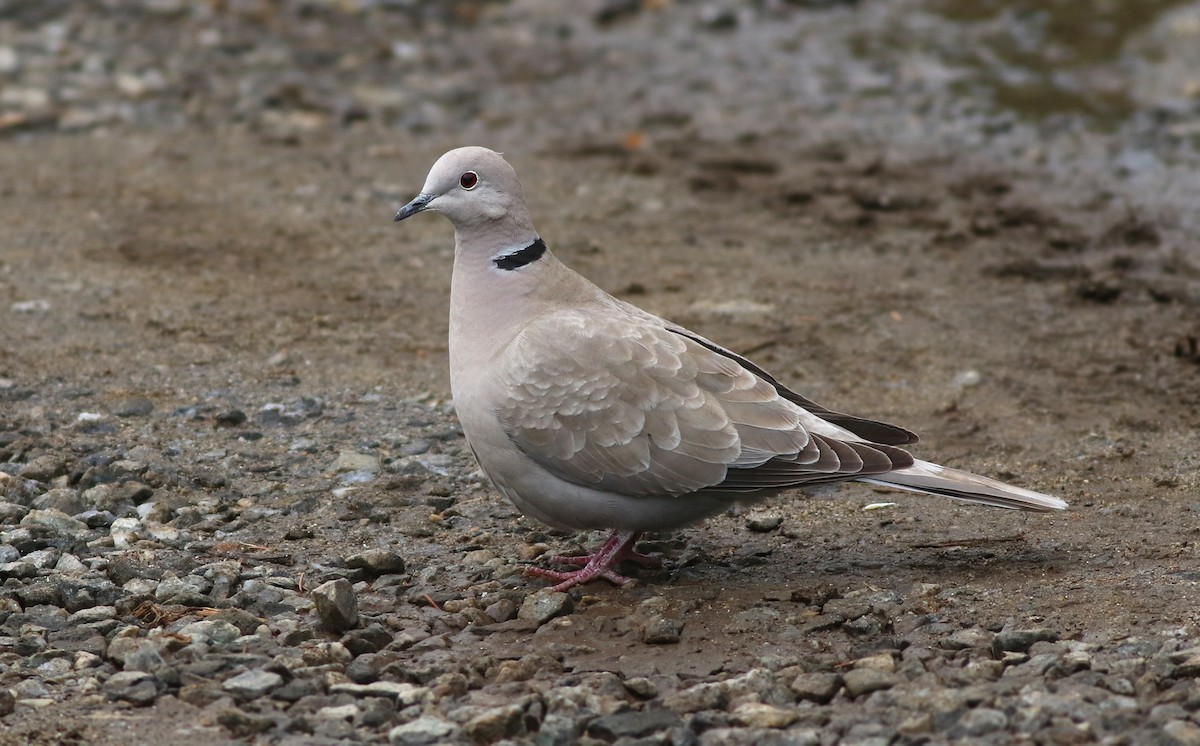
(716,695)
(641,687)
(632,724)
(377,561)
(69,564)
(242,724)
(502,610)
(19,570)
(879,662)
(1188,667)
(1182,733)
(820,624)
(224,577)
(348,461)
(65,499)
(402,693)
(496,723)
(862,681)
(136,687)
(846,608)
(170,587)
(971,637)
(1037,665)
(763,737)
(143,656)
(661,630)
(816,594)
(1020,640)
(817,687)
(983,670)
(337,605)
(122,645)
(558,730)
(8,702)
(41,592)
(18,490)
(370,639)
(425,730)
(212,631)
(868,734)
(348,711)
(416,447)
(761,715)
(85,592)
(168,535)
(763,522)
(106,497)
(1073,662)
(1179,656)
(367,668)
(1167,712)
(708,696)
(133,406)
(297,689)
(43,469)
(252,684)
(544,605)
(30,688)
(245,622)
(56,522)
(125,532)
(981,721)
(376,711)
(96,518)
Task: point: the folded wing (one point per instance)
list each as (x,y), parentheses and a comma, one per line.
(640,409)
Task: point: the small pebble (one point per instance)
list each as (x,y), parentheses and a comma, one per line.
(816,687)
(337,605)
(134,406)
(424,731)
(252,684)
(763,522)
(760,715)
(544,605)
(860,681)
(377,561)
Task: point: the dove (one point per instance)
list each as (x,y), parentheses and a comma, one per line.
(587,412)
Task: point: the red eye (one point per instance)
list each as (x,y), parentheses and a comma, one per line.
(468,180)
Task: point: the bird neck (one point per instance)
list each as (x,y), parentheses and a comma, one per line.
(495,292)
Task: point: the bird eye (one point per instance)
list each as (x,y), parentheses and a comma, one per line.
(468,180)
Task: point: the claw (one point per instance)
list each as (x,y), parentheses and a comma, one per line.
(645,560)
(599,564)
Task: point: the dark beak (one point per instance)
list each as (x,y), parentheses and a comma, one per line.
(419,203)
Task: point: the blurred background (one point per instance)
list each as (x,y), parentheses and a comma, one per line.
(1107,85)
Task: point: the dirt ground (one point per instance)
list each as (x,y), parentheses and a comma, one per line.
(1029,317)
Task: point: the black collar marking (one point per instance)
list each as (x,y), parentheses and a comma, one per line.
(521,257)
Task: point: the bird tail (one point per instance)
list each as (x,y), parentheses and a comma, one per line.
(935,479)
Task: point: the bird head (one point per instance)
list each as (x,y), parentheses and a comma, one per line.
(471,186)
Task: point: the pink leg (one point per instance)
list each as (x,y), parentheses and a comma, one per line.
(599,564)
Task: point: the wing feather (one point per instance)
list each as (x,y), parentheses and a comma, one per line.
(871,430)
(639,408)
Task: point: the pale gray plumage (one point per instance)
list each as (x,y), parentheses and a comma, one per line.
(588,412)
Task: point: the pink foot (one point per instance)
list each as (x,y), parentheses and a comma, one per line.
(599,564)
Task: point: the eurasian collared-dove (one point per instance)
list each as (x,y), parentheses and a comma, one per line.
(587,412)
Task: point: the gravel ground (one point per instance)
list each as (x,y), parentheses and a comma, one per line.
(235,504)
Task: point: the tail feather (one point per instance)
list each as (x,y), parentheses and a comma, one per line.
(935,479)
